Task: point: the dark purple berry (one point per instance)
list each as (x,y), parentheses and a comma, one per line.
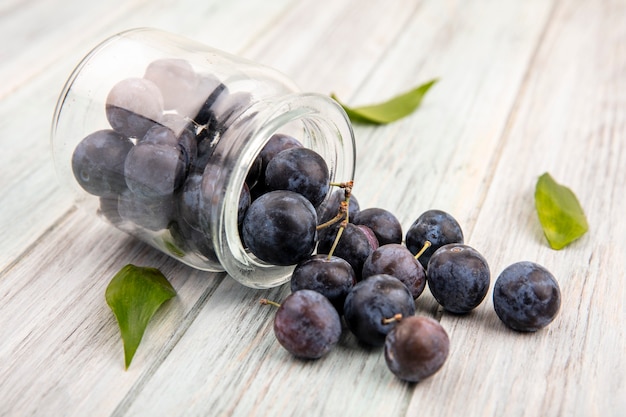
(396,260)
(254,173)
(244,202)
(307,324)
(133,106)
(416,348)
(332,277)
(526,296)
(371,303)
(177,82)
(211,187)
(185,142)
(189,148)
(300,170)
(212,89)
(276,144)
(98,163)
(458,277)
(228,106)
(435,226)
(355,244)
(176,123)
(190,201)
(382,222)
(186,136)
(280,228)
(154,170)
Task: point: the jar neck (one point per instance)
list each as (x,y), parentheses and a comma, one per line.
(319,123)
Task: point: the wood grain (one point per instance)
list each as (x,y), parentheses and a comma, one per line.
(559,122)
(525,88)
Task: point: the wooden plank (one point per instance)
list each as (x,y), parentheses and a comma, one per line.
(359,33)
(35,34)
(242,370)
(71,28)
(447,147)
(569,120)
(30,189)
(61,348)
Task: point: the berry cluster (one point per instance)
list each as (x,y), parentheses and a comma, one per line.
(366,273)
(363,273)
(151,166)
(280,226)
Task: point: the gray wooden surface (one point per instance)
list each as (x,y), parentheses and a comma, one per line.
(526,87)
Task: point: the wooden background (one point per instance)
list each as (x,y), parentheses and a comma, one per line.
(526,87)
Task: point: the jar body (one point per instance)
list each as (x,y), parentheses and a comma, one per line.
(158,135)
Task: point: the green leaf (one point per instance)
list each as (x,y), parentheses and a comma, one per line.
(391,110)
(135,294)
(562,218)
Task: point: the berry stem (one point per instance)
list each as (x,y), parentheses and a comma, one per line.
(347,184)
(265,301)
(343,212)
(343,209)
(393,319)
(347,189)
(427,245)
(339,233)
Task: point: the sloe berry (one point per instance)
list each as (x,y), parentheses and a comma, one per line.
(371,303)
(333,278)
(356,243)
(383,223)
(526,296)
(300,170)
(98,163)
(435,226)
(280,228)
(416,348)
(307,324)
(458,277)
(396,260)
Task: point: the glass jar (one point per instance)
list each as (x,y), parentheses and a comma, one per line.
(221,109)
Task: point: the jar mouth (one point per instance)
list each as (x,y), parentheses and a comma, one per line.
(314,119)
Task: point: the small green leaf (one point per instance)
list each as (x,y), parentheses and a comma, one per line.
(134,294)
(391,110)
(562,218)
